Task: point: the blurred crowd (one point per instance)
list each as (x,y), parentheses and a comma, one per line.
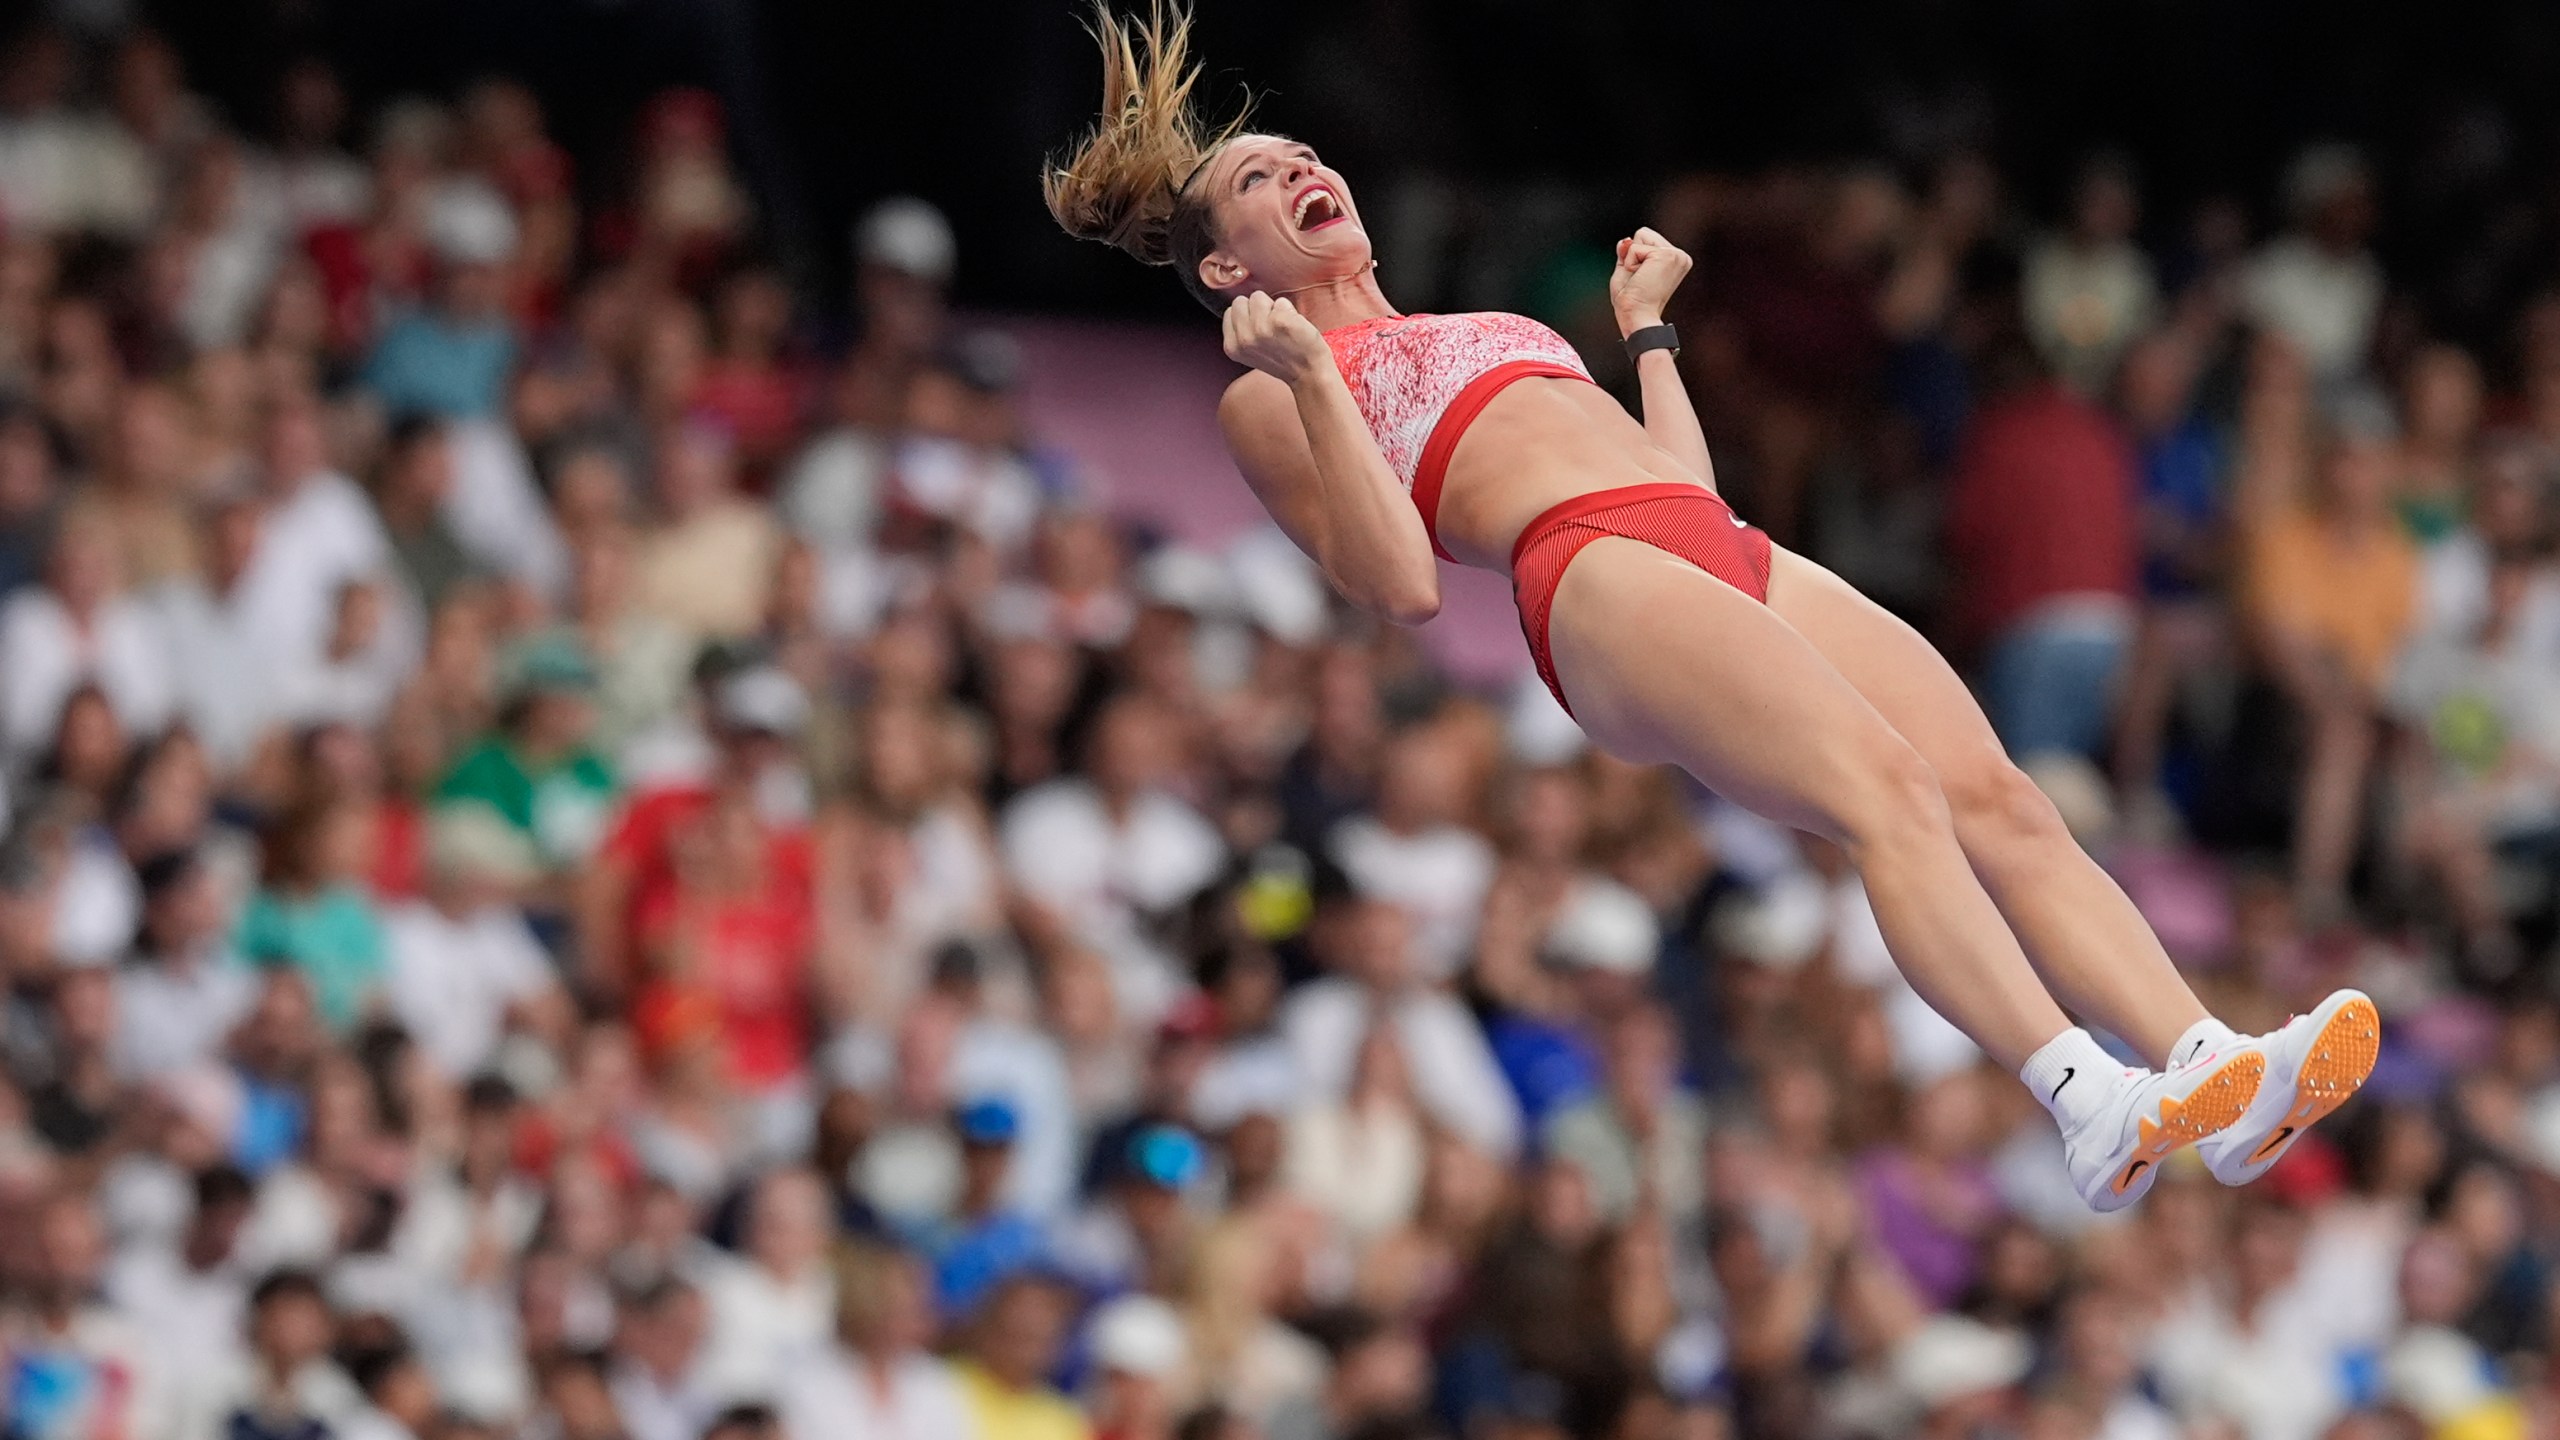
(599,848)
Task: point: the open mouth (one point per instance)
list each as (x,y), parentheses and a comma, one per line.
(1317,208)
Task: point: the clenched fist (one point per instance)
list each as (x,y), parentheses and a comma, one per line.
(1272,337)
(1649,269)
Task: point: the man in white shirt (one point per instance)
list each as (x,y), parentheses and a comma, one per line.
(2089,291)
(320,532)
(226,670)
(1368,944)
(183,989)
(2318,285)
(197,1288)
(78,628)
(1413,852)
(1105,857)
(774,1306)
(462,960)
(879,1382)
(656,1378)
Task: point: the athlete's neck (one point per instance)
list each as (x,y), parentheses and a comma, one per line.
(1330,304)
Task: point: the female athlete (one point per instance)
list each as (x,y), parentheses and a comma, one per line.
(1672,630)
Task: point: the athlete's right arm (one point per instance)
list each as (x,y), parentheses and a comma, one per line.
(1297,435)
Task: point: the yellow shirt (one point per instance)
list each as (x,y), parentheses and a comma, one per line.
(2357,596)
(1004,1413)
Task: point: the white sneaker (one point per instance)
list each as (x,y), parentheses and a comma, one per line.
(2315,1064)
(2115,1154)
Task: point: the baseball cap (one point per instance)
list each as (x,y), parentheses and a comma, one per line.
(988,1121)
(764,699)
(468,223)
(1949,1358)
(550,664)
(1139,1335)
(1166,1155)
(907,235)
(1607,927)
(470,840)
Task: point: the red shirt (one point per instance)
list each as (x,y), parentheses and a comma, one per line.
(760,405)
(745,983)
(399,850)
(2042,505)
(747,980)
(645,840)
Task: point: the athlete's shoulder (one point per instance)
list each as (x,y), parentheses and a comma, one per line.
(1254,398)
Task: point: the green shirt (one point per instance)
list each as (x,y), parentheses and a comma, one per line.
(333,938)
(562,808)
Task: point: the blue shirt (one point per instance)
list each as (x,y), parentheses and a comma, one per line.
(430,364)
(2181,479)
(971,1257)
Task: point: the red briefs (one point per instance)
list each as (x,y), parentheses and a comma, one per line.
(1420,379)
(1689,521)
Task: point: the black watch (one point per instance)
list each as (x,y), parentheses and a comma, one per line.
(1652,337)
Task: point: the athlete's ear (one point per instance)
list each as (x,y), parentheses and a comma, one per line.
(1222,271)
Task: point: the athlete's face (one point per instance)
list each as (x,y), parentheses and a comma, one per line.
(1284,220)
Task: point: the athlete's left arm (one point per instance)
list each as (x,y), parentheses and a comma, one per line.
(1649,269)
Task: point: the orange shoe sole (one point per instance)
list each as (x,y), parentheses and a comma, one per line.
(2339,1063)
(2209,1109)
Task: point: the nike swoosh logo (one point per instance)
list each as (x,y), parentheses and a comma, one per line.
(1738,522)
(2067,1072)
(2273,1141)
(2125,1182)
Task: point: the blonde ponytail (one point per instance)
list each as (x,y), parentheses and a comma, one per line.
(1123,183)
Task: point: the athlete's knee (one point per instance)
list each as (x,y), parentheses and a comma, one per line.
(1892,796)
(1997,806)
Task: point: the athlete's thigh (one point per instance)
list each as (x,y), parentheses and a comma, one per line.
(1664,663)
(1891,664)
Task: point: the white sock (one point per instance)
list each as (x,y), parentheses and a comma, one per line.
(2074,1077)
(2206,1034)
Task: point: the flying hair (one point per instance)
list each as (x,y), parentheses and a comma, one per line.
(1123,182)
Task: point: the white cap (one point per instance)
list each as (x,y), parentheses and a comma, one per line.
(1182,578)
(1605,926)
(469,223)
(907,235)
(470,840)
(1781,925)
(2437,1373)
(762,697)
(1536,728)
(1139,1335)
(1277,586)
(1950,1357)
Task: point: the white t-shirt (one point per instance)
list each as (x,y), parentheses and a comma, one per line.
(168,1018)
(1455,1078)
(452,979)
(496,511)
(2324,304)
(227,672)
(313,542)
(44,656)
(97,904)
(1438,876)
(762,1327)
(1102,875)
(837,1396)
(831,495)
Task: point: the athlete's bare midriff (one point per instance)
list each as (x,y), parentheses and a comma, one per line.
(1538,443)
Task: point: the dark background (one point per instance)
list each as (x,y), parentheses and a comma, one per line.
(835,104)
